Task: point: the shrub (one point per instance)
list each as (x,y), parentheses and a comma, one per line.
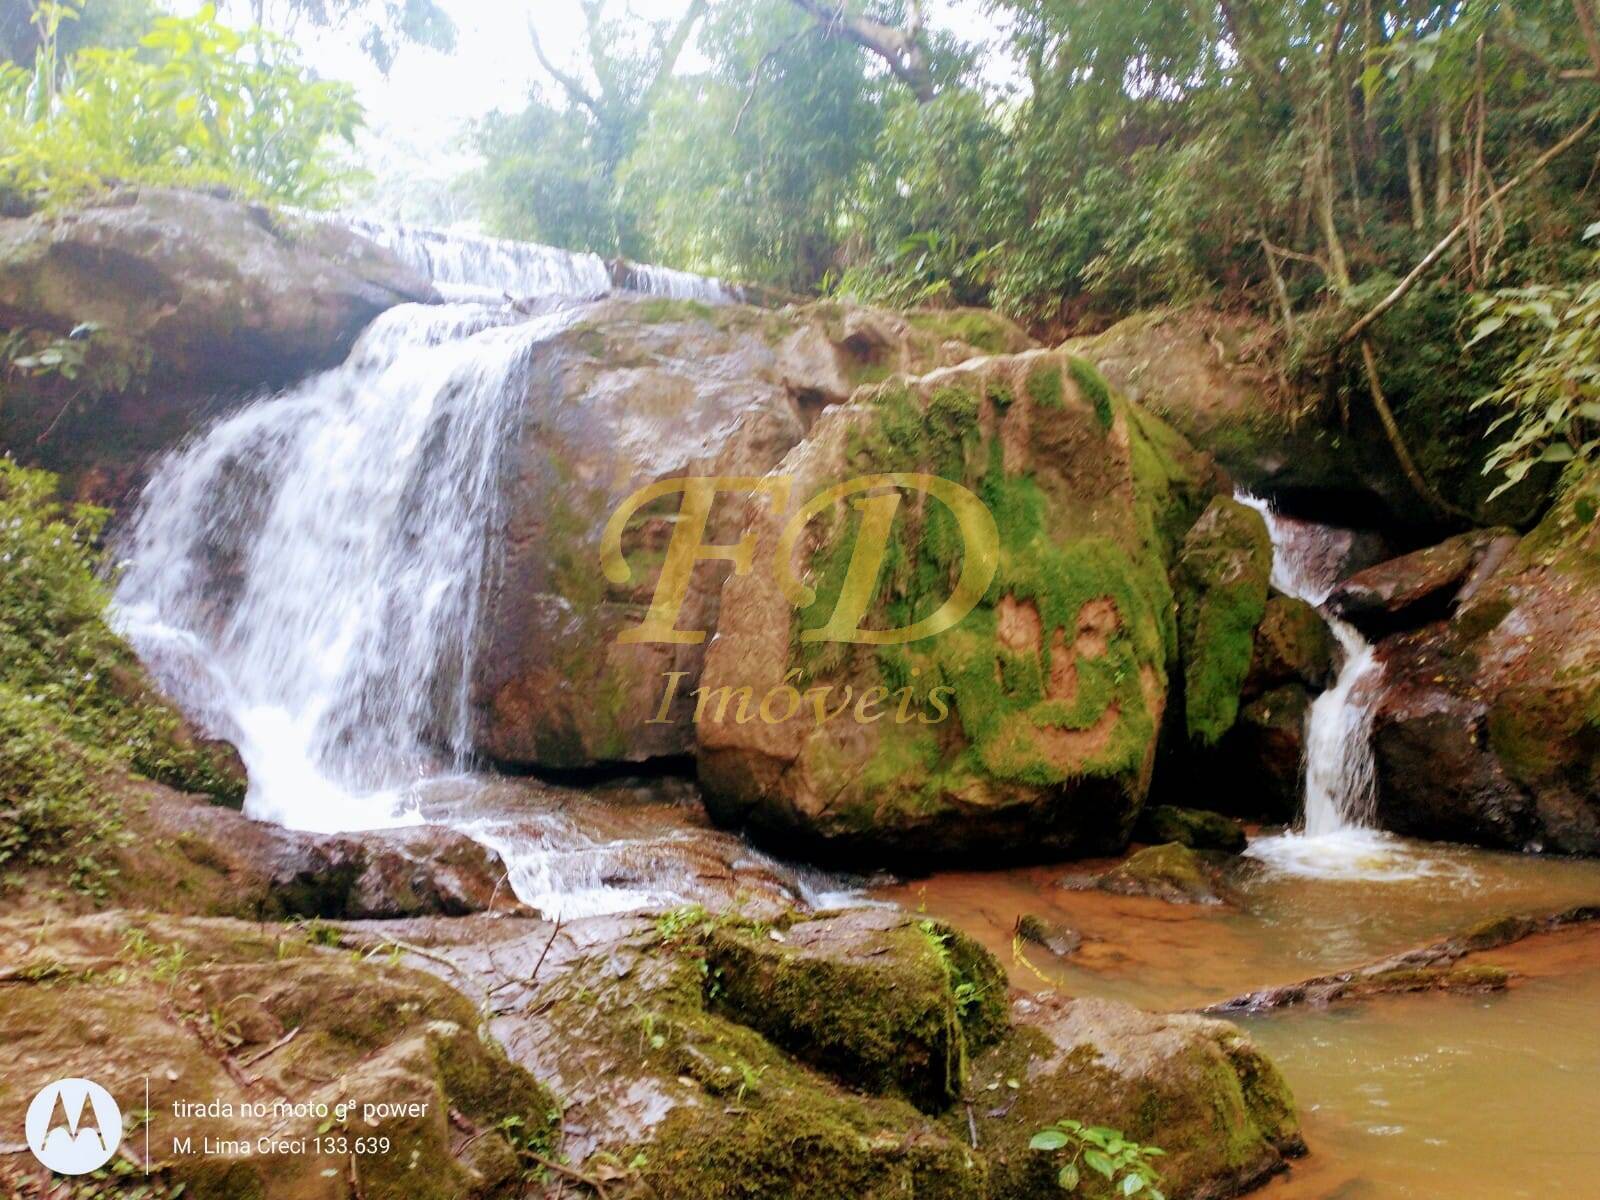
(195,104)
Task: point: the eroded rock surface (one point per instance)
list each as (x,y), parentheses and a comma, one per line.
(235,1013)
(194,296)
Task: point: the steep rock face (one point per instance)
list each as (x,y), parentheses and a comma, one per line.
(637,392)
(1030,726)
(1208,374)
(190,295)
(1218,378)
(1488,728)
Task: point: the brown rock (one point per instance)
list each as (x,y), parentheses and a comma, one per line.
(195,295)
(639,391)
(1418,588)
(1488,726)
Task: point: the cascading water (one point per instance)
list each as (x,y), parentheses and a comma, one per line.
(317,561)
(1336,836)
(466,266)
(305,579)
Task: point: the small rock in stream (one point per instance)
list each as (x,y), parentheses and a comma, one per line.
(1054,937)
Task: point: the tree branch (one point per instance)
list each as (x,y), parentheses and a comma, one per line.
(575,90)
(670,53)
(901,49)
(1449,239)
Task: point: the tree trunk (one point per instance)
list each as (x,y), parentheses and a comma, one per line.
(1589,25)
(903,50)
(1419,203)
(1442,155)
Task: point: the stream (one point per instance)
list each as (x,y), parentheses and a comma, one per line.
(305,578)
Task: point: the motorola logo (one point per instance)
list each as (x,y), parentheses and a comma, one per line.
(74,1126)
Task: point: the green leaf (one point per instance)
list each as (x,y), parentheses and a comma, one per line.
(1099,1163)
(1560,452)
(1484,328)
(1592,231)
(1131,1184)
(1048,1139)
(1068,1177)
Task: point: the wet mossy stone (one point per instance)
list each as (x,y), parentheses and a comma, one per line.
(1197,1088)
(1191,827)
(1051,935)
(1293,644)
(1221,581)
(1169,872)
(879,1000)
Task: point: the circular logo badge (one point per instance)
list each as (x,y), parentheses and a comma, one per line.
(74,1126)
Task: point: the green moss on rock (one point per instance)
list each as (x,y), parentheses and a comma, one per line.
(1192,828)
(1221,581)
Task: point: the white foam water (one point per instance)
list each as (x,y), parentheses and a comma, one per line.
(470,266)
(1336,837)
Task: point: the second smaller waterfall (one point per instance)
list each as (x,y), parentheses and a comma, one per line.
(1337,836)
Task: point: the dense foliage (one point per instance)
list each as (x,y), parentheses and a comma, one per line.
(74,708)
(1550,396)
(1096,159)
(193,103)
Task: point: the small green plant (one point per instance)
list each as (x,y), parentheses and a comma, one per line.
(967,994)
(1125,1165)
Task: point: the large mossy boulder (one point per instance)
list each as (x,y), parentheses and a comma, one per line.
(1488,726)
(887,1003)
(1197,1088)
(635,392)
(1030,726)
(176,296)
(236,1014)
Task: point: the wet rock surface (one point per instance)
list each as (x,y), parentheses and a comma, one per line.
(183,854)
(1488,723)
(1447,965)
(1193,828)
(1421,587)
(1171,872)
(1056,938)
(638,392)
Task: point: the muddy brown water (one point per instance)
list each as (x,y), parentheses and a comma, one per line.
(1426,1097)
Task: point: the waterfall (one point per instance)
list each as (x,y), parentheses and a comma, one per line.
(1336,834)
(305,576)
(468,266)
